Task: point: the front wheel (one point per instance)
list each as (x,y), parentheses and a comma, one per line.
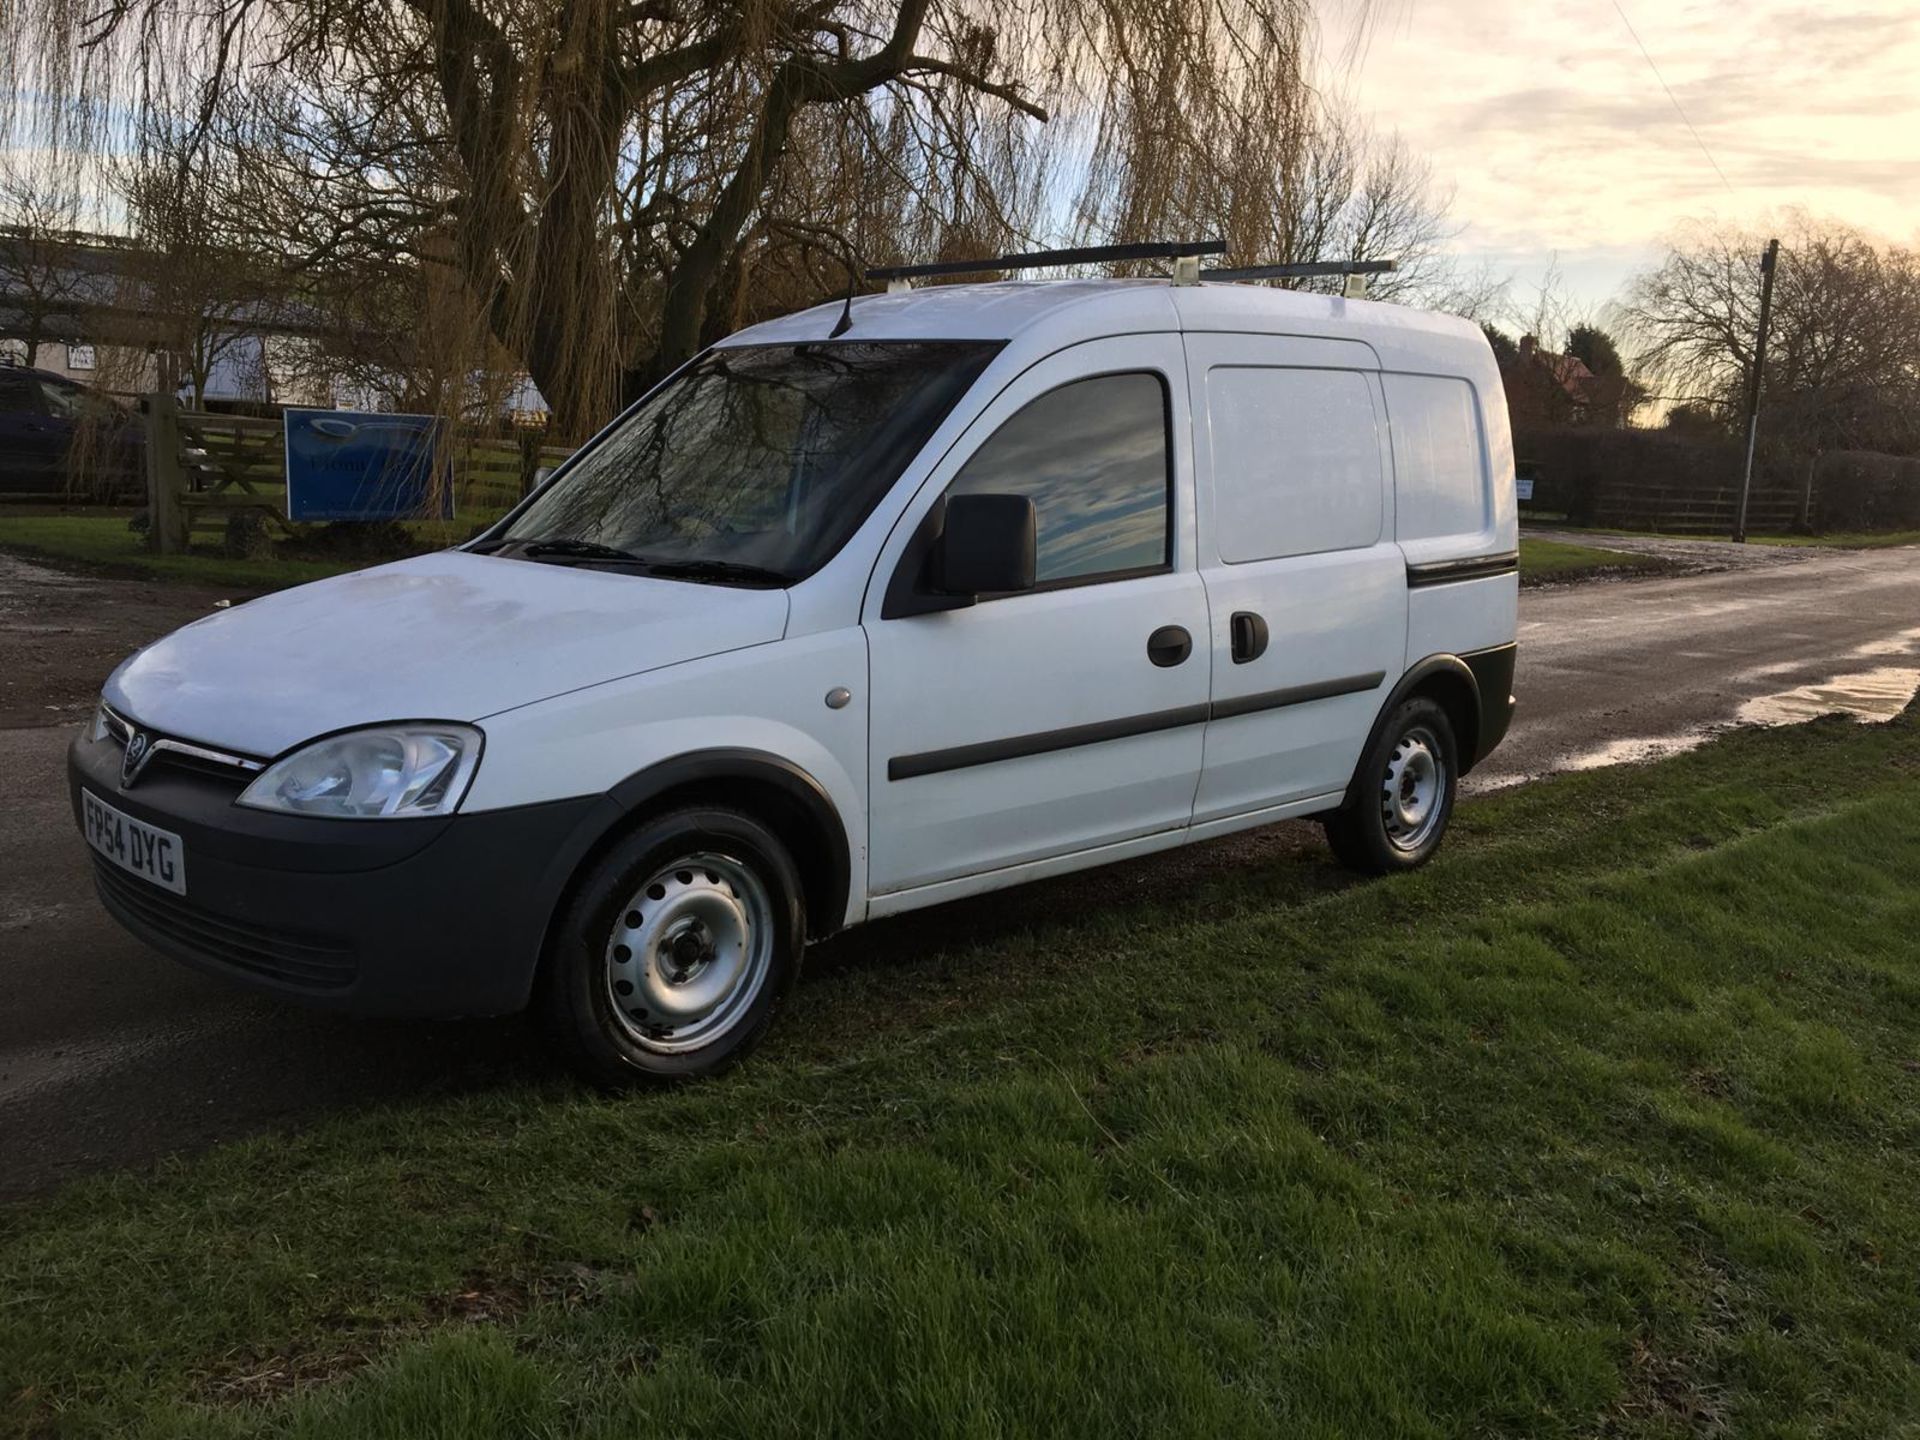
(678,948)
(1402,795)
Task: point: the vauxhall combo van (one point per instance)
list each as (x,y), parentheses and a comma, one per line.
(864,609)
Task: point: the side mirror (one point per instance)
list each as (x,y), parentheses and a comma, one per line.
(987,546)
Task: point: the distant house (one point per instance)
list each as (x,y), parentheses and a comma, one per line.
(1548,389)
(101,310)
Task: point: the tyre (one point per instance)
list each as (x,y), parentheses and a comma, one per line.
(1402,794)
(677,948)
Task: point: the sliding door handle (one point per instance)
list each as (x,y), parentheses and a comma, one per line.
(1169,645)
(1249,633)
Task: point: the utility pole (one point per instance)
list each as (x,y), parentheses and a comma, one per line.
(1769,262)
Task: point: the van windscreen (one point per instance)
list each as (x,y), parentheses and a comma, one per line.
(754,463)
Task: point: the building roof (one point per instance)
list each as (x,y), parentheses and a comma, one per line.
(100,288)
(1569,372)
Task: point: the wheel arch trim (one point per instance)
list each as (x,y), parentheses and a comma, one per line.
(736,764)
(1489,723)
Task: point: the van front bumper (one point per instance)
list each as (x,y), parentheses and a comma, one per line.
(433,917)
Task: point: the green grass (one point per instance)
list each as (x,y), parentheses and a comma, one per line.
(1836,540)
(1606,1124)
(1558,560)
(103,542)
(1844,539)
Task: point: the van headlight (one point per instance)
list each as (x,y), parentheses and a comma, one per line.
(385,772)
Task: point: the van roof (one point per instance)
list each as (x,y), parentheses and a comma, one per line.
(1089,309)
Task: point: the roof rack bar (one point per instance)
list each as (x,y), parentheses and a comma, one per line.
(1305,270)
(1039,259)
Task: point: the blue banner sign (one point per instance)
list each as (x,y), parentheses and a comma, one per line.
(347,466)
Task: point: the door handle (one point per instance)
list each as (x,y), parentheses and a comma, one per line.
(1249,633)
(1169,645)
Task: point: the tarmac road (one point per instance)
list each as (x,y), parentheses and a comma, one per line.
(111,1055)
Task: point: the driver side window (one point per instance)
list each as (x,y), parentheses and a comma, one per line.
(1093,457)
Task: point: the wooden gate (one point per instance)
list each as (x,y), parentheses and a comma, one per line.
(202,469)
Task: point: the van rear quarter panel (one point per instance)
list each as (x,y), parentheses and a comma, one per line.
(1448,423)
(1453,468)
(1465,615)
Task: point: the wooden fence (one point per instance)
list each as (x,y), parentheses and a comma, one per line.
(202,469)
(1681,509)
(1654,480)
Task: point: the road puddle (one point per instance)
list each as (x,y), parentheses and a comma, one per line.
(1870,697)
(1634,752)
(1907,642)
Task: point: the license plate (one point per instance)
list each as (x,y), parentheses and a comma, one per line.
(136,847)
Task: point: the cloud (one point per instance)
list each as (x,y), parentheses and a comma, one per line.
(1556,136)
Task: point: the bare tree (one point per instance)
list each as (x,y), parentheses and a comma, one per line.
(1843,367)
(207,296)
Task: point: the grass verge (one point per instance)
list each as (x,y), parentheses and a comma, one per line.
(1604,1124)
(1844,540)
(101,542)
(1545,561)
(1836,540)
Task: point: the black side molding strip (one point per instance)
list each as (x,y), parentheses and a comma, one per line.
(1296,695)
(1042,742)
(1445,572)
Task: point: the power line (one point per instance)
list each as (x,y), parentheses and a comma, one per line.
(1645,55)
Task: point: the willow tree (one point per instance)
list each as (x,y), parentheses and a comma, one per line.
(613,181)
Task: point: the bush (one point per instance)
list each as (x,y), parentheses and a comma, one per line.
(1636,479)
(1865,490)
(248,537)
(369,541)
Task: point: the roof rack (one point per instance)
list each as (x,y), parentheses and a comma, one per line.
(1041,259)
(1305,270)
(1185,255)
(1355,273)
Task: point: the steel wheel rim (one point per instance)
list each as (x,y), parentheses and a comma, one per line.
(1413,792)
(690,952)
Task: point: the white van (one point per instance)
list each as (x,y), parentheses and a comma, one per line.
(1000,581)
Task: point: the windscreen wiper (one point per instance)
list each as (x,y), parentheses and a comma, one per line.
(565,548)
(721,570)
(577,550)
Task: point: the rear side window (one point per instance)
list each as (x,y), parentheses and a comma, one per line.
(1439,475)
(1092,456)
(1296,462)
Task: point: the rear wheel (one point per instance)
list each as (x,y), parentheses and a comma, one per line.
(677,949)
(1402,795)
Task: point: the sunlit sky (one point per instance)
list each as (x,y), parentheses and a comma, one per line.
(1557,140)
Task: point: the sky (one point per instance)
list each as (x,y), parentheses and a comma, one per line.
(1550,128)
